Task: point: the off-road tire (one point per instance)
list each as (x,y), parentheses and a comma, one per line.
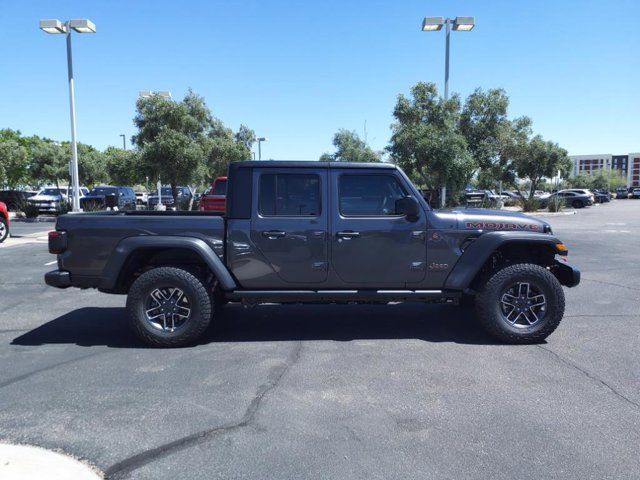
(4,230)
(200,300)
(488,306)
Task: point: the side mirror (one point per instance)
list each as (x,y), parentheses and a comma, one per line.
(408,206)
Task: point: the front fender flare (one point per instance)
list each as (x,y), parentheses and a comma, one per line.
(476,254)
(129,245)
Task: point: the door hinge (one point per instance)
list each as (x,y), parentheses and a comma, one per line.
(322,266)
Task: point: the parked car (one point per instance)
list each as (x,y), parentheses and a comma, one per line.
(581,191)
(622,192)
(142,197)
(214,199)
(49,199)
(13,199)
(635,193)
(571,199)
(4,222)
(184,195)
(316,232)
(124,198)
(601,196)
(482,198)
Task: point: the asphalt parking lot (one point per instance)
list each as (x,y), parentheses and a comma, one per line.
(332,392)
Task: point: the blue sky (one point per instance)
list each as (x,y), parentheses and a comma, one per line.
(298,71)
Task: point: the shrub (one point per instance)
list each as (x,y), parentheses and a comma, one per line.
(65,207)
(92,206)
(29,209)
(555,204)
(529,204)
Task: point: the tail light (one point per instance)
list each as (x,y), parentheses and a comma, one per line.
(57,242)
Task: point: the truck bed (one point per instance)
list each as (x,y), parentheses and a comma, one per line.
(92,238)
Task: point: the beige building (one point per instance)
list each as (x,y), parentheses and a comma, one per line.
(627,165)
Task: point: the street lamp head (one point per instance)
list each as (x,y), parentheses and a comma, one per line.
(432,24)
(463,24)
(82,26)
(52,26)
(263,139)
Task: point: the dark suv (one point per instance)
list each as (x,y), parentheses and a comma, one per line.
(14,199)
(124,198)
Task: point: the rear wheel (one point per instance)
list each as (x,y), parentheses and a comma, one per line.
(522,303)
(577,204)
(169,307)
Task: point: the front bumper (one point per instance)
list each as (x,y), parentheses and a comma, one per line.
(567,274)
(58,279)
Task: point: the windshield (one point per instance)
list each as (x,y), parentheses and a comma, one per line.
(52,191)
(220,188)
(103,191)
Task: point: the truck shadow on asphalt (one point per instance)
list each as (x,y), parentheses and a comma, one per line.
(92,326)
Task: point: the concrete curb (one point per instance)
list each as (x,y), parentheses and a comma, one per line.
(551,214)
(20,462)
(34,220)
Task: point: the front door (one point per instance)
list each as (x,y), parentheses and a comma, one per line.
(289,223)
(371,245)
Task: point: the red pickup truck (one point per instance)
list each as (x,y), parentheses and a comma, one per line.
(4,222)
(214,199)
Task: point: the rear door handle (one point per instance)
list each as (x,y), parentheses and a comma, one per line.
(348,235)
(273,234)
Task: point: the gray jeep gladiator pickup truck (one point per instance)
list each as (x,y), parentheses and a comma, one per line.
(314,232)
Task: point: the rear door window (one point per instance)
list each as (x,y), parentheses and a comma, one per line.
(289,194)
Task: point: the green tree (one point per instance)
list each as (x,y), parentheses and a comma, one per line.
(49,162)
(492,138)
(350,148)
(427,143)
(14,164)
(91,165)
(223,147)
(123,167)
(537,159)
(172,138)
(183,143)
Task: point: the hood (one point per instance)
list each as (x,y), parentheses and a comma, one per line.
(47,198)
(492,220)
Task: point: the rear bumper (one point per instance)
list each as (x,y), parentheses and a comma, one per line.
(58,279)
(567,274)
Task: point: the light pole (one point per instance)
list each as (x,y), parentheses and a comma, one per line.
(460,24)
(57,27)
(260,140)
(124,141)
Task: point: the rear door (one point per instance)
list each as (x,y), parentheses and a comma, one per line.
(289,222)
(371,245)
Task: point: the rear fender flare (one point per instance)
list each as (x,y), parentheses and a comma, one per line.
(129,245)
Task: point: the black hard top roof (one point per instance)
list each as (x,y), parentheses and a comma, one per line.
(308,164)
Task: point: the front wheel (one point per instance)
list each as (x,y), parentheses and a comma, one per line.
(169,307)
(520,304)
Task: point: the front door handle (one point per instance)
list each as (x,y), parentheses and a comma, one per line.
(348,235)
(273,234)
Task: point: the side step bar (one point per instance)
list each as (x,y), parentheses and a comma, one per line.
(328,296)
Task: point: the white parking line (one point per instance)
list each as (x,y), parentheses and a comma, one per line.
(50,263)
